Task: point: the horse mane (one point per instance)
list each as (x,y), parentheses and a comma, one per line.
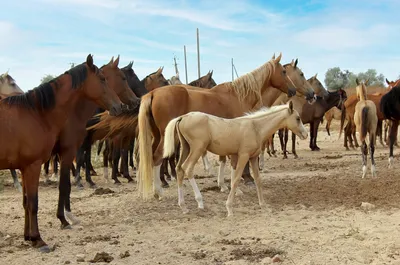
(264,111)
(43,98)
(251,83)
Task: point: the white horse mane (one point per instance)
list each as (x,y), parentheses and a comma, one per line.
(265,111)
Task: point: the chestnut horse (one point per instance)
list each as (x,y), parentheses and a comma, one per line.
(8,87)
(31,123)
(226,100)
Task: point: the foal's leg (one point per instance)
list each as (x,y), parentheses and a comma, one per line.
(221,179)
(257,179)
(234,160)
(242,160)
(30,176)
(184,152)
(364,152)
(14,175)
(261,157)
(188,167)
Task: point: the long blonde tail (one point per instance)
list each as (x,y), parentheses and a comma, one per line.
(145,182)
(169,138)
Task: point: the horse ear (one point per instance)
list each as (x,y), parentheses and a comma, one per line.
(159,71)
(295,63)
(129,66)
(273,57)
(357,82)
(366,82)
(315,76)
(387,81)
(290,107)
(111,61)
(116,62)
(211,74)
(278,59)
(89,62)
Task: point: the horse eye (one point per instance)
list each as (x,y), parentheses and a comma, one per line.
(298,118)
(284,72)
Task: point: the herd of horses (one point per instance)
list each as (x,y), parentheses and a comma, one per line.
(161,123)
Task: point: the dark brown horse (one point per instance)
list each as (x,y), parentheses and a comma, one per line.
(313,113)
(74,131)
(31,123)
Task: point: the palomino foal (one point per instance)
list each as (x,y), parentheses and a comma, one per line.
(241,138)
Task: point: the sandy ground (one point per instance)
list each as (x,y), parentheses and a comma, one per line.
(313,216)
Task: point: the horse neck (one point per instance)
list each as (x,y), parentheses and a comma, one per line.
(266,125)
(362,92)
(331,101)
(66,98)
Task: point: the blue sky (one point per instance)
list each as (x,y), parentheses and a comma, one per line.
(43,36)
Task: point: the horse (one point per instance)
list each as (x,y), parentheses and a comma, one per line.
(239,138)
(31,123)
(9,87)
(74,131)
(366,121)
(389,106)
(333,113)
(226,100)
(313,113)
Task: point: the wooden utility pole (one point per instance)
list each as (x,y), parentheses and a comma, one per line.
(232,69)
(184,51)
(198,54)
(176,67)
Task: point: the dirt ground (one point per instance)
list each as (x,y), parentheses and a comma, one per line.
(313,216)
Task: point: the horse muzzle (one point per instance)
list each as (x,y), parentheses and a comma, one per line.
(115,110)
(291,91)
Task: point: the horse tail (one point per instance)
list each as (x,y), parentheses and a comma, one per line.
(364,122)
(145,147)
(342,120)
(169,138)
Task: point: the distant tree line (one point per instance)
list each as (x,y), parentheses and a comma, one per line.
(336,78)
(49,77)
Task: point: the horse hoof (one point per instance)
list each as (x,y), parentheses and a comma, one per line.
(44,249)
(117,183)
(79,186)
(66,227)
(165,185)
(168,177)
(93,186)
(295,156)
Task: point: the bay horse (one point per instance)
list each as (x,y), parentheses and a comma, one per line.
(226,100)
(389,106)
(73,133)
(313,113)
(332,114)
(239,138)
(118,146)
(9,87)
(366,121)
(31,123)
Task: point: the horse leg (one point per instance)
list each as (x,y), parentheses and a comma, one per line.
(248,179)
(241,163)
(99,147)
(164,169)
(124,164)
(392,138)
(55,174)
(285,140)
(364,151)
(315,127)
(257,180)
(105,160)
(46,171)
(184,152)
(80,158)
(346,138)
(86,157)
(157,158)
(372,140)
(234,159)
(116,155)
(30,176)
(273,150)
(172,165)
(281,140)
(206,163)
(328,125)
(14,175)
(188,167)
(379,132)
(355,137)
(294,145)
(221,179)
(131,145)
(311,136)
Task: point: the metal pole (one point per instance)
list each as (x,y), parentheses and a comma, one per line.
(198,54)
(176,67)
(184,51)
(232,69)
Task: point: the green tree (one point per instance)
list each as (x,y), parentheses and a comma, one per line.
(336,78)
(46,78)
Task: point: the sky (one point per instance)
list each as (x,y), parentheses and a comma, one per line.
(40,37)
